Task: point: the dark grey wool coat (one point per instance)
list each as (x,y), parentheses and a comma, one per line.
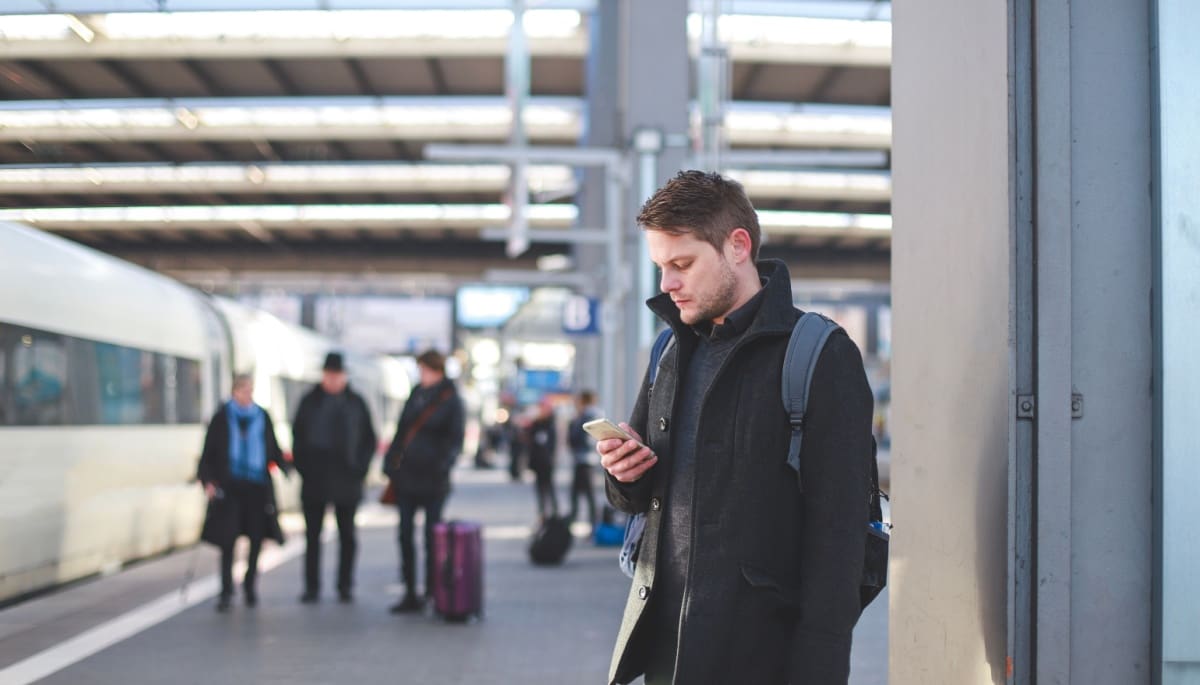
(772,592)
(334,477)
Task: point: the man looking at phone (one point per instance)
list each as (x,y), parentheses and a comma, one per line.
(741,576)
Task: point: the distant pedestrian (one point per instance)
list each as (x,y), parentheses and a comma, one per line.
(333,442)
(428,440)
(233,468)
(583,451)
(542,443)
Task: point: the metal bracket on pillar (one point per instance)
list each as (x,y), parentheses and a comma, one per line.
(1026,407)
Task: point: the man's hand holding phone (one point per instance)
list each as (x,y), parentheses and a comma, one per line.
(625,458)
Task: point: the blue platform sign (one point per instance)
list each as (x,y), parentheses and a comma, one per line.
(581,316)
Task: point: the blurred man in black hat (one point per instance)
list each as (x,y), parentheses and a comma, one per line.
(333,442)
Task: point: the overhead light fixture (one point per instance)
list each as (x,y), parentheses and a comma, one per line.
(296,216)
(341,25)
(304,118)
(204,178)
(800,222)
(827,184)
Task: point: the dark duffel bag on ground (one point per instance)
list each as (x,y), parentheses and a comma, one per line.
(550,542)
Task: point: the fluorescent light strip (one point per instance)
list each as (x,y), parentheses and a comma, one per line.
(802,222)
(767,124)
(389,216)
(799,31)
(298,216)
(351,32)
(856,185)
(375,177)
(340,25)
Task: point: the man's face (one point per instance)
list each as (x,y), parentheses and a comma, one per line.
(698,278)
(333,382)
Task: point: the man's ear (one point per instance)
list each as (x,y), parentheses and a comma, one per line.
(738,244)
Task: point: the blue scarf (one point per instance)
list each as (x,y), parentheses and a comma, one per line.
(247,449)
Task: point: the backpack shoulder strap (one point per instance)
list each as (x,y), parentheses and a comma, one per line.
(804,348)
(661,345)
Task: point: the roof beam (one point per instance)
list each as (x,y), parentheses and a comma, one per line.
(124,73)
(36,70)
(437,75)
(359,74)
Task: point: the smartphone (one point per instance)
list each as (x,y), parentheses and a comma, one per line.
(603,429)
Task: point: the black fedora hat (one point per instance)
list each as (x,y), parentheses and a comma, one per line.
(334,362)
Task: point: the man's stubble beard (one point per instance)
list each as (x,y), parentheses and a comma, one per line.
(722,299)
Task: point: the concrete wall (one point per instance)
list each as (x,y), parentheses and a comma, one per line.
(953,292)
(1023,263)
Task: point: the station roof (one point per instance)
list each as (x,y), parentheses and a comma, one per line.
(296,135)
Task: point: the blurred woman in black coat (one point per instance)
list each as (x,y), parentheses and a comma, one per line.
(233,468)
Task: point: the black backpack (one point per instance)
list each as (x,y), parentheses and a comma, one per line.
(808,338)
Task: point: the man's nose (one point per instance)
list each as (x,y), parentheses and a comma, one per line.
(668,283)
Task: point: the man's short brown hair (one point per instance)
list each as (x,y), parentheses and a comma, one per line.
(432,360)
(704,204)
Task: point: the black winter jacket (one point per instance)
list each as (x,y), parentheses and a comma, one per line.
(422,469)
(220,528)
(772,591)
(334,477)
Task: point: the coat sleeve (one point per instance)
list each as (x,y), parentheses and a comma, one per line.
(370,441)
(274,453)
(634,498)
(299,439)
(835,473)
(207,471)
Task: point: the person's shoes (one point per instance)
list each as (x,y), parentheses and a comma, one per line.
(408,605)
(309,597)
(251,598)
(345,596)
(223,603)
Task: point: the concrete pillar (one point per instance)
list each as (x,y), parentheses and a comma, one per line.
(602,129)
(655,70)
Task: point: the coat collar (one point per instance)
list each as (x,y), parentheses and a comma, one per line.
(776,314)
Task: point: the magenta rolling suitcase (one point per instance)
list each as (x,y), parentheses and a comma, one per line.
(458,570)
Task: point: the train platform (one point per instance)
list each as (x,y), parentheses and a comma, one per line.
(154,621)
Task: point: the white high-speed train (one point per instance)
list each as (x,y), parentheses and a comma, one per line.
(108,376)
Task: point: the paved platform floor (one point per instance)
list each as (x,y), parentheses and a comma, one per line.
(543,625)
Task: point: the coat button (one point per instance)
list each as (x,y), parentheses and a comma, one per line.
(662,424)
(655,504)
(643,592)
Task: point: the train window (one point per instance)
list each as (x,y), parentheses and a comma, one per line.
(120,384)
(39,379)
(48,379)
(188,393)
